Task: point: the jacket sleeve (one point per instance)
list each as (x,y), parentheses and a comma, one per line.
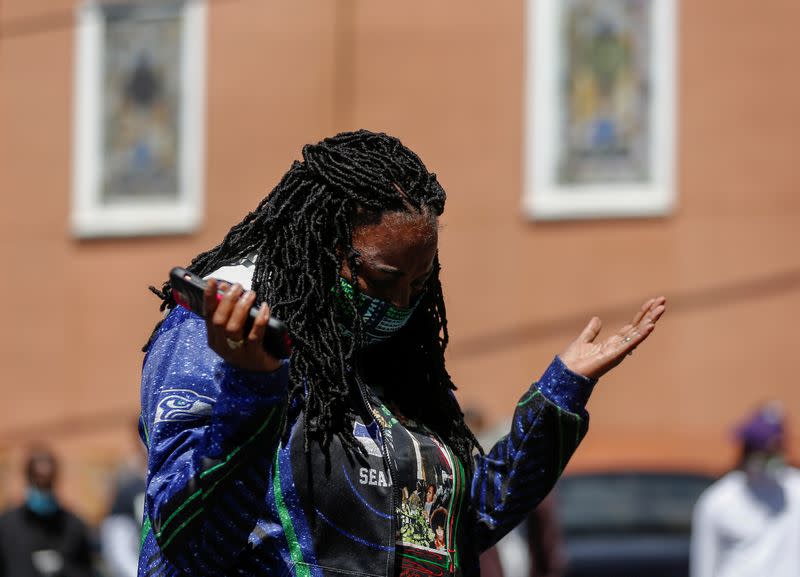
(520,470)
(211,430)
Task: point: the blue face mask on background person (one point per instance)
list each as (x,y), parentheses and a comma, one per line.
(43,503)
(380,320)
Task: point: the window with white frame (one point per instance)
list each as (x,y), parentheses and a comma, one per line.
(139,116)
(600,108)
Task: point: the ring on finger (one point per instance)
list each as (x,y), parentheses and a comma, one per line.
(627,339)
(234,344)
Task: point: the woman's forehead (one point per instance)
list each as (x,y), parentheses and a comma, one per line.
(395,233)
(398,222)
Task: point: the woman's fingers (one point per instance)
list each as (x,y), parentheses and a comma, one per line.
(657,308)
(210,298)
(256,334)
(643,324)
(642,311)
(647,321)
(234,328)
(222,314)
(590,332)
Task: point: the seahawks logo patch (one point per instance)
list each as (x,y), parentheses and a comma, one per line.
(182,405)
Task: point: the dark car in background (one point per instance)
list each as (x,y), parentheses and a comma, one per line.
(628,523)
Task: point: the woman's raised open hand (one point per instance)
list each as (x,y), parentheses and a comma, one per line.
(592,357)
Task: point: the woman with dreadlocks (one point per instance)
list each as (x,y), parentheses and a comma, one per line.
(316,465)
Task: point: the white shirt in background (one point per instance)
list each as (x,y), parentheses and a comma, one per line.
(748,529)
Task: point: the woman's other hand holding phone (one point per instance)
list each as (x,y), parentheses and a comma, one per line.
(225,320)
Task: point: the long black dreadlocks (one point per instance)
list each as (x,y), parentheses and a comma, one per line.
(301,233)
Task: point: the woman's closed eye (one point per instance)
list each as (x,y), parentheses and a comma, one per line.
(419,285)
(382,283)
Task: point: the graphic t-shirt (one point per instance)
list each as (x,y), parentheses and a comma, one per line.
(430,484)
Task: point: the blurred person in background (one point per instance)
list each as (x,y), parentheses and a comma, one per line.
(262,466)
(747,524)
(545,540)
(120,531)
(40,538)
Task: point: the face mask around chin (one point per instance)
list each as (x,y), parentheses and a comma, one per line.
(43,503)
(380,320)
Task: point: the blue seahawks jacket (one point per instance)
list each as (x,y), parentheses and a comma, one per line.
(228,494)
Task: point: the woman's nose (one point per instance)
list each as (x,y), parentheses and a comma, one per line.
(401,297)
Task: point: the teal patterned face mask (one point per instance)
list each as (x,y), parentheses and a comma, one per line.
(380,320)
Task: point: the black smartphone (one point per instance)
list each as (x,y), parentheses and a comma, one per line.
(188,291)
